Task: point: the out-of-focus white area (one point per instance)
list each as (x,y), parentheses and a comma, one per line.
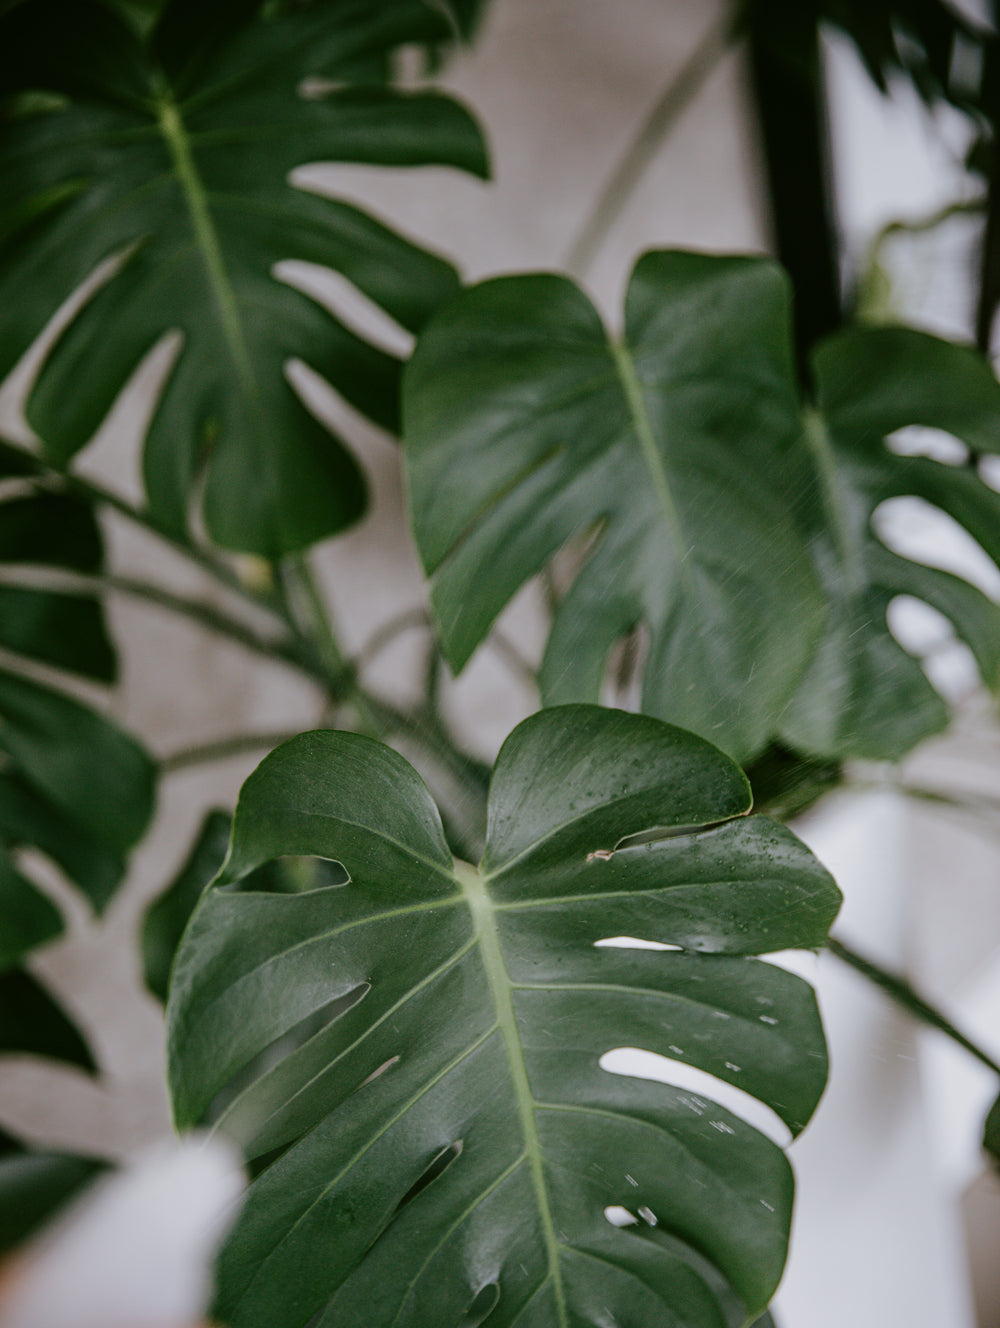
(561,87)
(136,1250)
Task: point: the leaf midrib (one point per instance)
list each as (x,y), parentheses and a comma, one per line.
(178,142)
(817,440)
(650,452)
(501,988)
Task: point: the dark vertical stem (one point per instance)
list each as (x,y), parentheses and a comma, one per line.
(788,94)
(989,263)
(910,999)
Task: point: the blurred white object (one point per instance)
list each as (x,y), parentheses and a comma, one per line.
(135,1251)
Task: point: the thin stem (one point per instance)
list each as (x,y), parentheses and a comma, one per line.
(310,613)
(314,625)
(670,106)
(206,615)
(909,998)
(313,648)
(238,745)
(71,482)
(789,101)
(407,621)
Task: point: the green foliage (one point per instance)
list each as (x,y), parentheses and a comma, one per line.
(526,424)
(414,1057)
(35,1184)
(172,150)
(712,498)
(166,918)
(33,1023)
(410,1049)
(72,784)
(863,694)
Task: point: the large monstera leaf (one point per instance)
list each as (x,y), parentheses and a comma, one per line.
(171,147)
(526,425)
(863,695)
(413,1059)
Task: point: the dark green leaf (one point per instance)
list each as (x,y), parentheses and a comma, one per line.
(414,1058)
(28,918)
(526,425)
(28,818)
(863,695)
(34,1185)
(88,768)
(54,530)
(168,915)
(32,1023)
(74,786)
(991,1133)
(178,150)
(65,629)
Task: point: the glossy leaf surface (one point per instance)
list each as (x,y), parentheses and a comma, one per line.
(526,425)
(175,150)
(863,694)
(413,1058)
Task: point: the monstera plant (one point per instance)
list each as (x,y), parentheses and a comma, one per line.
(409,1009)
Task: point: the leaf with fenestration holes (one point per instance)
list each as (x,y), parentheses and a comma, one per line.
(173,146)
(415,1060)
(863,695)
(674,447)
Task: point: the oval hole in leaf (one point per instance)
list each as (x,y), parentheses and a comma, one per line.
(920,440)
(283,1046)
(438,1165)
(635,1063)
(483,1305)
(917,530)
(293,874)
(633,943)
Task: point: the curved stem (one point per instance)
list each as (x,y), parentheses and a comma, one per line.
(408,620)
(909,998)
(670,106)
(313,648)
(310,614)
(71,482)
(237,745)
(205,615)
